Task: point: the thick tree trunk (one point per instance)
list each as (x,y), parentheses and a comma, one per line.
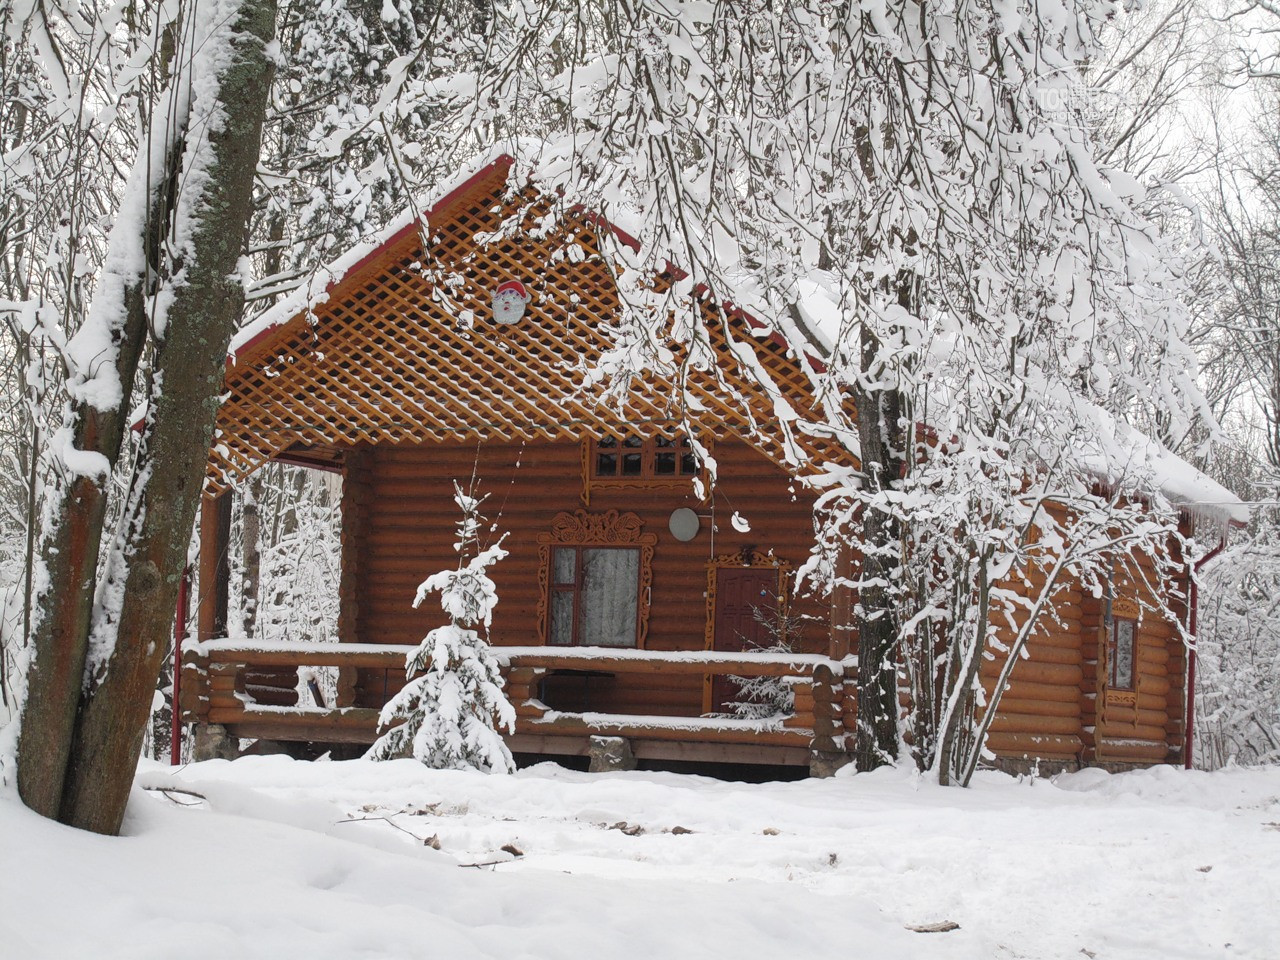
(881,444)
(189,369)
(92,786)
(69,554)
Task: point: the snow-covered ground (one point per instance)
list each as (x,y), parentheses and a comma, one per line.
(288,859)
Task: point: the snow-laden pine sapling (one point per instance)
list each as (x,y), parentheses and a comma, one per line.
(766,698)
(452,706)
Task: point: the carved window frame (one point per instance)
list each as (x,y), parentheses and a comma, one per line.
(648,478)
(1128,612)
(608,529)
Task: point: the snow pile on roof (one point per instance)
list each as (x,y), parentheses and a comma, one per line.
(1118,452)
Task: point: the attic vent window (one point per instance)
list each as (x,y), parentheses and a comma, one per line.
(636,458)
(630,461)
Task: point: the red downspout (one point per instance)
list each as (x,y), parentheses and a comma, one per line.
(179,632)
(1192,620)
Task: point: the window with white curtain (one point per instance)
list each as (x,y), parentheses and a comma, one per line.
(594,596)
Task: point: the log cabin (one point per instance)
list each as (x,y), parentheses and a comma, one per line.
(636,595)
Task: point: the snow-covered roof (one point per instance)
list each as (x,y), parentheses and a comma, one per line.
(397,341)
(1117,450)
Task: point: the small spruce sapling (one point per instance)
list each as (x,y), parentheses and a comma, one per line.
(765,698)
(453,704)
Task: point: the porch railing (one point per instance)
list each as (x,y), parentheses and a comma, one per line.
(215,691)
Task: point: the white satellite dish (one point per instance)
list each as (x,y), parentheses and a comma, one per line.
(684,524)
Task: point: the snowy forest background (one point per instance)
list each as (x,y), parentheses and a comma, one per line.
(374,103)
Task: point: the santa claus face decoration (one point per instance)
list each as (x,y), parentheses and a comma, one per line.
(509,302)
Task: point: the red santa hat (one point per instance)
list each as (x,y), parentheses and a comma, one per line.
(513,286)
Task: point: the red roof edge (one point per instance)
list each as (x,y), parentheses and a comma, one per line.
(453,195)
(503,160)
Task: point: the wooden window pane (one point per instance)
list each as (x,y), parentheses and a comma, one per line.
(633,457)
(564,565)
(560,631)
(664,464)
(688,463)
(1123,637)
(607,457)
(609,596)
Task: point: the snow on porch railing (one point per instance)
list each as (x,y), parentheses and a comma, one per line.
(219,678)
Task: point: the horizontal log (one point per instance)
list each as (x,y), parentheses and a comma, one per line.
(1068,653)
(1147,700)
(1046,708)
(1035,724)
(349,717)
(574,746)
(1131,748)
(228,659)
(318,656)
(1154,686)
(744,665)
(1031,671)
(1130,731)
(618,725)
(1042,746)
(524,674)
(1025,690)
(1152,659)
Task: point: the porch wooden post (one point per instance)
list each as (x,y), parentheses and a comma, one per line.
(826,756)
(843,635)
(357,491)
(215,567)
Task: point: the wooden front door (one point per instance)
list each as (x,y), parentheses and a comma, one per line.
(746,617)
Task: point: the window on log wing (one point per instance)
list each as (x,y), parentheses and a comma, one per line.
(1120,653)
(595,571)
(595,596)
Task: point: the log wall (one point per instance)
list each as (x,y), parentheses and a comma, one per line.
(401,518)
(1147,724)
(1058,705)
(1040,715)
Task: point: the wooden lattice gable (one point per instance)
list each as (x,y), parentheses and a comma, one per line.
(403,349)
